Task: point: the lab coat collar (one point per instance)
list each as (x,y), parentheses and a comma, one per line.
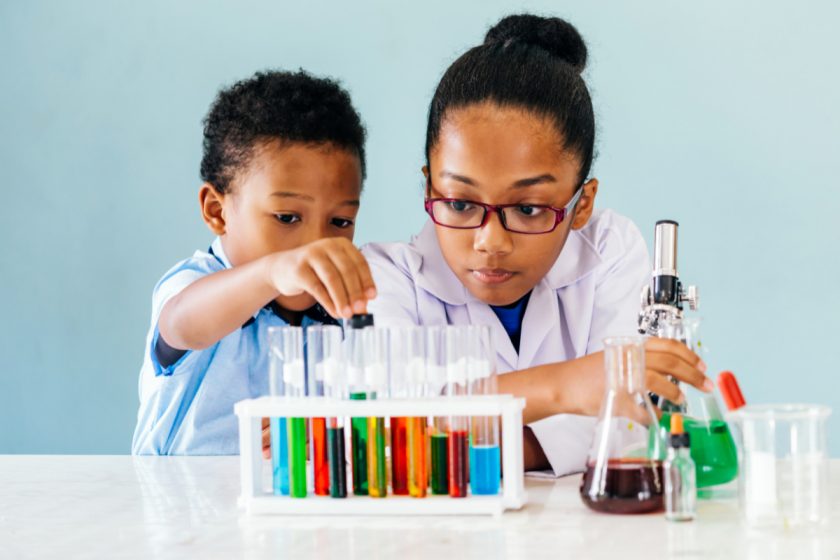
(577,260)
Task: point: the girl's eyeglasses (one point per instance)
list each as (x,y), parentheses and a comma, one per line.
(517,218)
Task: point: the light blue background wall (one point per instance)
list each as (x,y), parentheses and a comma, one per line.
(723,115)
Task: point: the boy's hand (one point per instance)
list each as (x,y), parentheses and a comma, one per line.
(332,270)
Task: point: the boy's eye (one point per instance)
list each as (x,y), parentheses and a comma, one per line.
(287,219)
(342,223)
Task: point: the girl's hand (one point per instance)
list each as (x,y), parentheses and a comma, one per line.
(266,439)
(332,270)
(663,358)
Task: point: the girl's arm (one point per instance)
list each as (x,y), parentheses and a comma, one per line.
(332,270)
(577,386)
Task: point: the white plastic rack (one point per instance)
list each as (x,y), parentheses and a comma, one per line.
(254,499)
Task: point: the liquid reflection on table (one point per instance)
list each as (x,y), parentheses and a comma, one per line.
(160,507)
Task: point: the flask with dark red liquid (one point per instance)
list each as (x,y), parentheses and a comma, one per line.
(624,465)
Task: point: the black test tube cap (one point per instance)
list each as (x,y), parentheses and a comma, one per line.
(361,321)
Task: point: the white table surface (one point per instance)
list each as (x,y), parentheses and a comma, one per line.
(185,507)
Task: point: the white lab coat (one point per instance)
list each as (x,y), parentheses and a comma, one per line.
(590,293)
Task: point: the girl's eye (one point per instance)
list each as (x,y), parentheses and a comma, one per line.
(529,211)
(460,205)
(342,223)
(287,219)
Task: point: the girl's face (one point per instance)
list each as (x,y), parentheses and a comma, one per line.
(502,155)
(289,195)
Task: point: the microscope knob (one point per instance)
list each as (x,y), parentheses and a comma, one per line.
(692,296)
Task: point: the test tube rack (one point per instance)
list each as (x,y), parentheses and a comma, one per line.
(254,499)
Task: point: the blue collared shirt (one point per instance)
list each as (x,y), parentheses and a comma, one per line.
(187,408)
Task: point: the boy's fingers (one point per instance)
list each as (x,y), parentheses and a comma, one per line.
(352,283)
(317,290)
(330,277)
(363,269)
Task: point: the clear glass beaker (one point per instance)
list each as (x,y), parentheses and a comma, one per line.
(624,467)
(712,445)
(784,480)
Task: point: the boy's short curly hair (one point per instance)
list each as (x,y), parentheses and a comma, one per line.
(275,105)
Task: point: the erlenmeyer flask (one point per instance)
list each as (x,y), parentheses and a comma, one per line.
(712,446)
(624,467)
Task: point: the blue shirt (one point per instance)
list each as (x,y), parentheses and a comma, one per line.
(511,318)
(187,407)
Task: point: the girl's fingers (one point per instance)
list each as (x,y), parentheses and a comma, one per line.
(627,408)
(266,441)
(662,386)
(668,363)
(678,349)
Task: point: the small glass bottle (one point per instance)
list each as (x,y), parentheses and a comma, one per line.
(679,474)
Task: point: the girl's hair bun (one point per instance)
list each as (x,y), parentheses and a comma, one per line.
(555,35)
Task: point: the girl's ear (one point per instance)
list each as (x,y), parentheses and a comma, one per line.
(212,208)
(427,186)
(586,204)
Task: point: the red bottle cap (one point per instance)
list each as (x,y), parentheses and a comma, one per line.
(730,391)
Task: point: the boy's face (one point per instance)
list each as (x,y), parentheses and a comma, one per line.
(289,195)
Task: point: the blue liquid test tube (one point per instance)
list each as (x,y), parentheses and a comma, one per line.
(485,455)
(278,426)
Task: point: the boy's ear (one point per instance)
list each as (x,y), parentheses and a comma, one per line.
(212,203)
(586,204)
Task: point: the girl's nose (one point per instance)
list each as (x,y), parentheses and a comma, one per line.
(492,237)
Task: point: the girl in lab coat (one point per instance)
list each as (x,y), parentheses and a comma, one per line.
(514,240)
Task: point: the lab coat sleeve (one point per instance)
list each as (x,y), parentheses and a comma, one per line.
(624,272)
(396,298)
(617,293)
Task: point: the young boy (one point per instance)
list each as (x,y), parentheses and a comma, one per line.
(282,167)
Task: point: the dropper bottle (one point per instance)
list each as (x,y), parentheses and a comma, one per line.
(680,475)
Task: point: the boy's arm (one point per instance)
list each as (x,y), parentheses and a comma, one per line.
(331,270)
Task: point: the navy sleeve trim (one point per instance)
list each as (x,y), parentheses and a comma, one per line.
(165,355)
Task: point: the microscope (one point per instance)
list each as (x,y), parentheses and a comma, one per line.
(663,297)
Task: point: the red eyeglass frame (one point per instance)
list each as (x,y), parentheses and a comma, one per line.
(559,213)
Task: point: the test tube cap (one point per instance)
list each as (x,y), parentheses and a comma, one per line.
(361,321)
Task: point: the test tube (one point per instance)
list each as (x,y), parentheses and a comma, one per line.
(277,426)
(294,379)
(439,435)
(323,362)
(456,386)
(485,456)
(409,473)
(376,379)
(355,355)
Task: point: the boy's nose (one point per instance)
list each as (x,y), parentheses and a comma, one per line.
(492,237)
